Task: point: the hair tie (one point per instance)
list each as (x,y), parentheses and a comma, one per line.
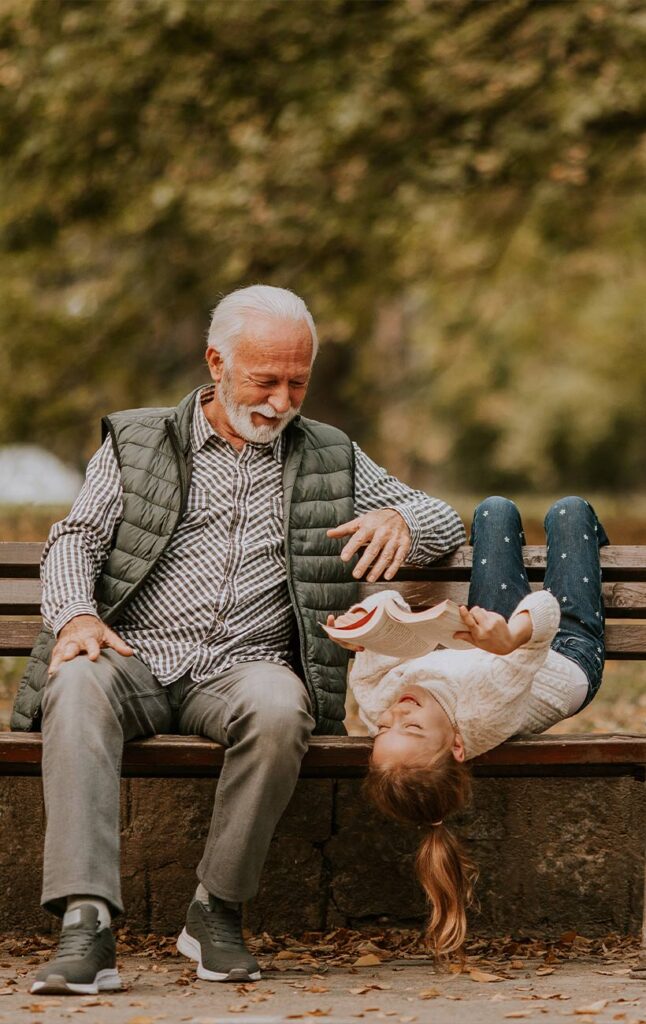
(436,823)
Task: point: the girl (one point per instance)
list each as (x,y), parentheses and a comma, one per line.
(537,658)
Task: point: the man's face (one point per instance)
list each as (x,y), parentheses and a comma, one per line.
(265,384)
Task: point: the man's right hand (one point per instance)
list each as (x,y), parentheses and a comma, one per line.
(85,634)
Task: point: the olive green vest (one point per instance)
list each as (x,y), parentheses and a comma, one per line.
(154,454)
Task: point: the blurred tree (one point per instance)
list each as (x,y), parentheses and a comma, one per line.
(456,188)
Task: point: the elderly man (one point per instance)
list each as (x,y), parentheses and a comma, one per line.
(183,593)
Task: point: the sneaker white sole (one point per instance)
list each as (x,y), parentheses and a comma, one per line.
(190,947)
(56,984)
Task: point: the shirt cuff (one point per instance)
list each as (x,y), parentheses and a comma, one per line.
(414,528)
(70,611)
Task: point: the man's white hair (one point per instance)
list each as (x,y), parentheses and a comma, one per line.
(228,317)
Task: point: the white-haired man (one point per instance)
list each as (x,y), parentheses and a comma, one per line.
(184,592)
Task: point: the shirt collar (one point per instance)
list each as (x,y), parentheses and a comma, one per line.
(202,431)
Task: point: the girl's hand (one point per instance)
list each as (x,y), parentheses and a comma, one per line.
(491,632)
(345,620)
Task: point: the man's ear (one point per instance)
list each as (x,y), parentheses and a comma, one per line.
(458,748)
(215,363)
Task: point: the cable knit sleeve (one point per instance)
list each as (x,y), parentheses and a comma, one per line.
(495,706)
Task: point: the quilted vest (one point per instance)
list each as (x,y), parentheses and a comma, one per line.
(154,454)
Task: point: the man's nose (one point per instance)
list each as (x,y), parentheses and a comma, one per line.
(279,400)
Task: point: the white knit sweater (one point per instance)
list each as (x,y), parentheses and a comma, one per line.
(487,697)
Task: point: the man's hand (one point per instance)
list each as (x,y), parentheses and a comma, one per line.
(491,632)
(85,634)
(346,620)
(386,538)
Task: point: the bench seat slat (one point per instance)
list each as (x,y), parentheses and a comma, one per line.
(624,641)
(168,756)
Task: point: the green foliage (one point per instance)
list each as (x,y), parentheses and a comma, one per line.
(456,188)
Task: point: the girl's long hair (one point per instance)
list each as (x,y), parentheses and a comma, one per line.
(426,796)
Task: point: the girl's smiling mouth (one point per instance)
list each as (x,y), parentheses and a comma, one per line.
(408,696)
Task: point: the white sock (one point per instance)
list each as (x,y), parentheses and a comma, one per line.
(202,895)
(74,902)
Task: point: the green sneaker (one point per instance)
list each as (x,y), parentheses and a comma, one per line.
(213,937)
(86,961)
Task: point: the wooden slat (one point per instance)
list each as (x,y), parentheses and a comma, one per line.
(338,757)
(20,558)
(619,562)
(20,597)
(622,600)
(623,641)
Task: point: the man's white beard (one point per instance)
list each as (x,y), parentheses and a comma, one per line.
(240,415)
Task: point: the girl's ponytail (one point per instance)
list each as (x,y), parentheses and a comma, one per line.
(423,796)
(446,875)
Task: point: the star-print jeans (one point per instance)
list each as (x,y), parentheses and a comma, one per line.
(573,573)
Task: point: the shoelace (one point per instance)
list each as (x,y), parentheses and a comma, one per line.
(75,942)
(224,925)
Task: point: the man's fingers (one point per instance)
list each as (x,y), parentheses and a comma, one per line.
(116,643)
(67,652)
(330,620)
(360,538)
(92,648)
(384,560)
(345,528)
(398,560)
(369,556)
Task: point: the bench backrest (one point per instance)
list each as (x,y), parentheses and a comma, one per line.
(623,566)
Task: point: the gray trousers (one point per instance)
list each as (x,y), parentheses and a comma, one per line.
(259,711)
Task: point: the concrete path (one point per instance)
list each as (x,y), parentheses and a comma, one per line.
(163,988)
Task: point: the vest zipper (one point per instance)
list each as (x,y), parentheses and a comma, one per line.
(287,504)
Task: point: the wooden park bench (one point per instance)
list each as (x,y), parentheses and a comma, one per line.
(624,572)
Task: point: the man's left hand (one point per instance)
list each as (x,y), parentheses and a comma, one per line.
(386,538)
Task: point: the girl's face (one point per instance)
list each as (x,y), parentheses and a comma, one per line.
(414,730)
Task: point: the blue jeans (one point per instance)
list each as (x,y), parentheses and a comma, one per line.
(573,574)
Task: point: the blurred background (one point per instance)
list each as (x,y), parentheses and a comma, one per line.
(455,188)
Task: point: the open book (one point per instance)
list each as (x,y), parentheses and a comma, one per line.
(388,629)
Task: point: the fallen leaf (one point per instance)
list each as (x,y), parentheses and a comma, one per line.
(286,954)
(516,1014)
(593,1007)
(309,1013)
(429,993)
(477,975)
(517,965)
(368,960)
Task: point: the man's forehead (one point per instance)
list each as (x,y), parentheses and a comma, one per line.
(274,345)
